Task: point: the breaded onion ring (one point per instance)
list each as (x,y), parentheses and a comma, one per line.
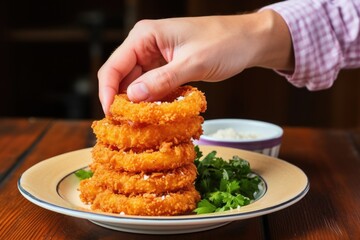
(148,204)
(167,157)
(129,183)
(185,102)
(144,136)
(89,190)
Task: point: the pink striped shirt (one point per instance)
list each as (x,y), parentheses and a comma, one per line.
(326,39)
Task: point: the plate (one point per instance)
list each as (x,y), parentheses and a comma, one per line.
(51,184)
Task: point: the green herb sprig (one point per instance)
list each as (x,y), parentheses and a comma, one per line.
(224,185)
(83,174)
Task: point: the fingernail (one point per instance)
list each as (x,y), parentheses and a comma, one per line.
(104,106)
(104,109)
(138,91)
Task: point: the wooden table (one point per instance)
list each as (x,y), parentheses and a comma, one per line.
(331,209)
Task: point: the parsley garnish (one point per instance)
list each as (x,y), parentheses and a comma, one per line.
(83,174)
(224,185)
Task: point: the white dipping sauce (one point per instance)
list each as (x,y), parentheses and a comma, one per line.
(231,133)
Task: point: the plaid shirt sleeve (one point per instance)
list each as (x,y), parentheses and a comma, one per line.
(325,36)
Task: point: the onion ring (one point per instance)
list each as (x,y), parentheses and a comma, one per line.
(89,190)
(148,204)
(127,136)
(184,102)
(168,157)
(129,183)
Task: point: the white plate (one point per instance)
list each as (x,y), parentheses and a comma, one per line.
(51,184)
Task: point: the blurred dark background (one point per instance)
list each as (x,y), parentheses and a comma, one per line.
(50,52)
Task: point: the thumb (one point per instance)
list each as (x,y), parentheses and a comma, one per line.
(159,82)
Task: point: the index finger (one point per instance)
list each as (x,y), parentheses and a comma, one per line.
(114,70)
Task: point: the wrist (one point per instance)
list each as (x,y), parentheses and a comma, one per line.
(271,41)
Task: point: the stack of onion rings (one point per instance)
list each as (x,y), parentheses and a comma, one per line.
(143,161)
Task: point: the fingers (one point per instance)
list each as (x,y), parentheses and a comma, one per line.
(157,83)
(132,76)
(147,65)
(108,87)
(113,72)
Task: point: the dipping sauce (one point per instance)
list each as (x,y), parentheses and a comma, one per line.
(231,133)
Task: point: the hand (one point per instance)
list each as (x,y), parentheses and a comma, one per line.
(160,55)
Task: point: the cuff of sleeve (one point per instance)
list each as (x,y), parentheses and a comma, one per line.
(316,50)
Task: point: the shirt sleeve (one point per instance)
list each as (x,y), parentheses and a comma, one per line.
(325,36)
